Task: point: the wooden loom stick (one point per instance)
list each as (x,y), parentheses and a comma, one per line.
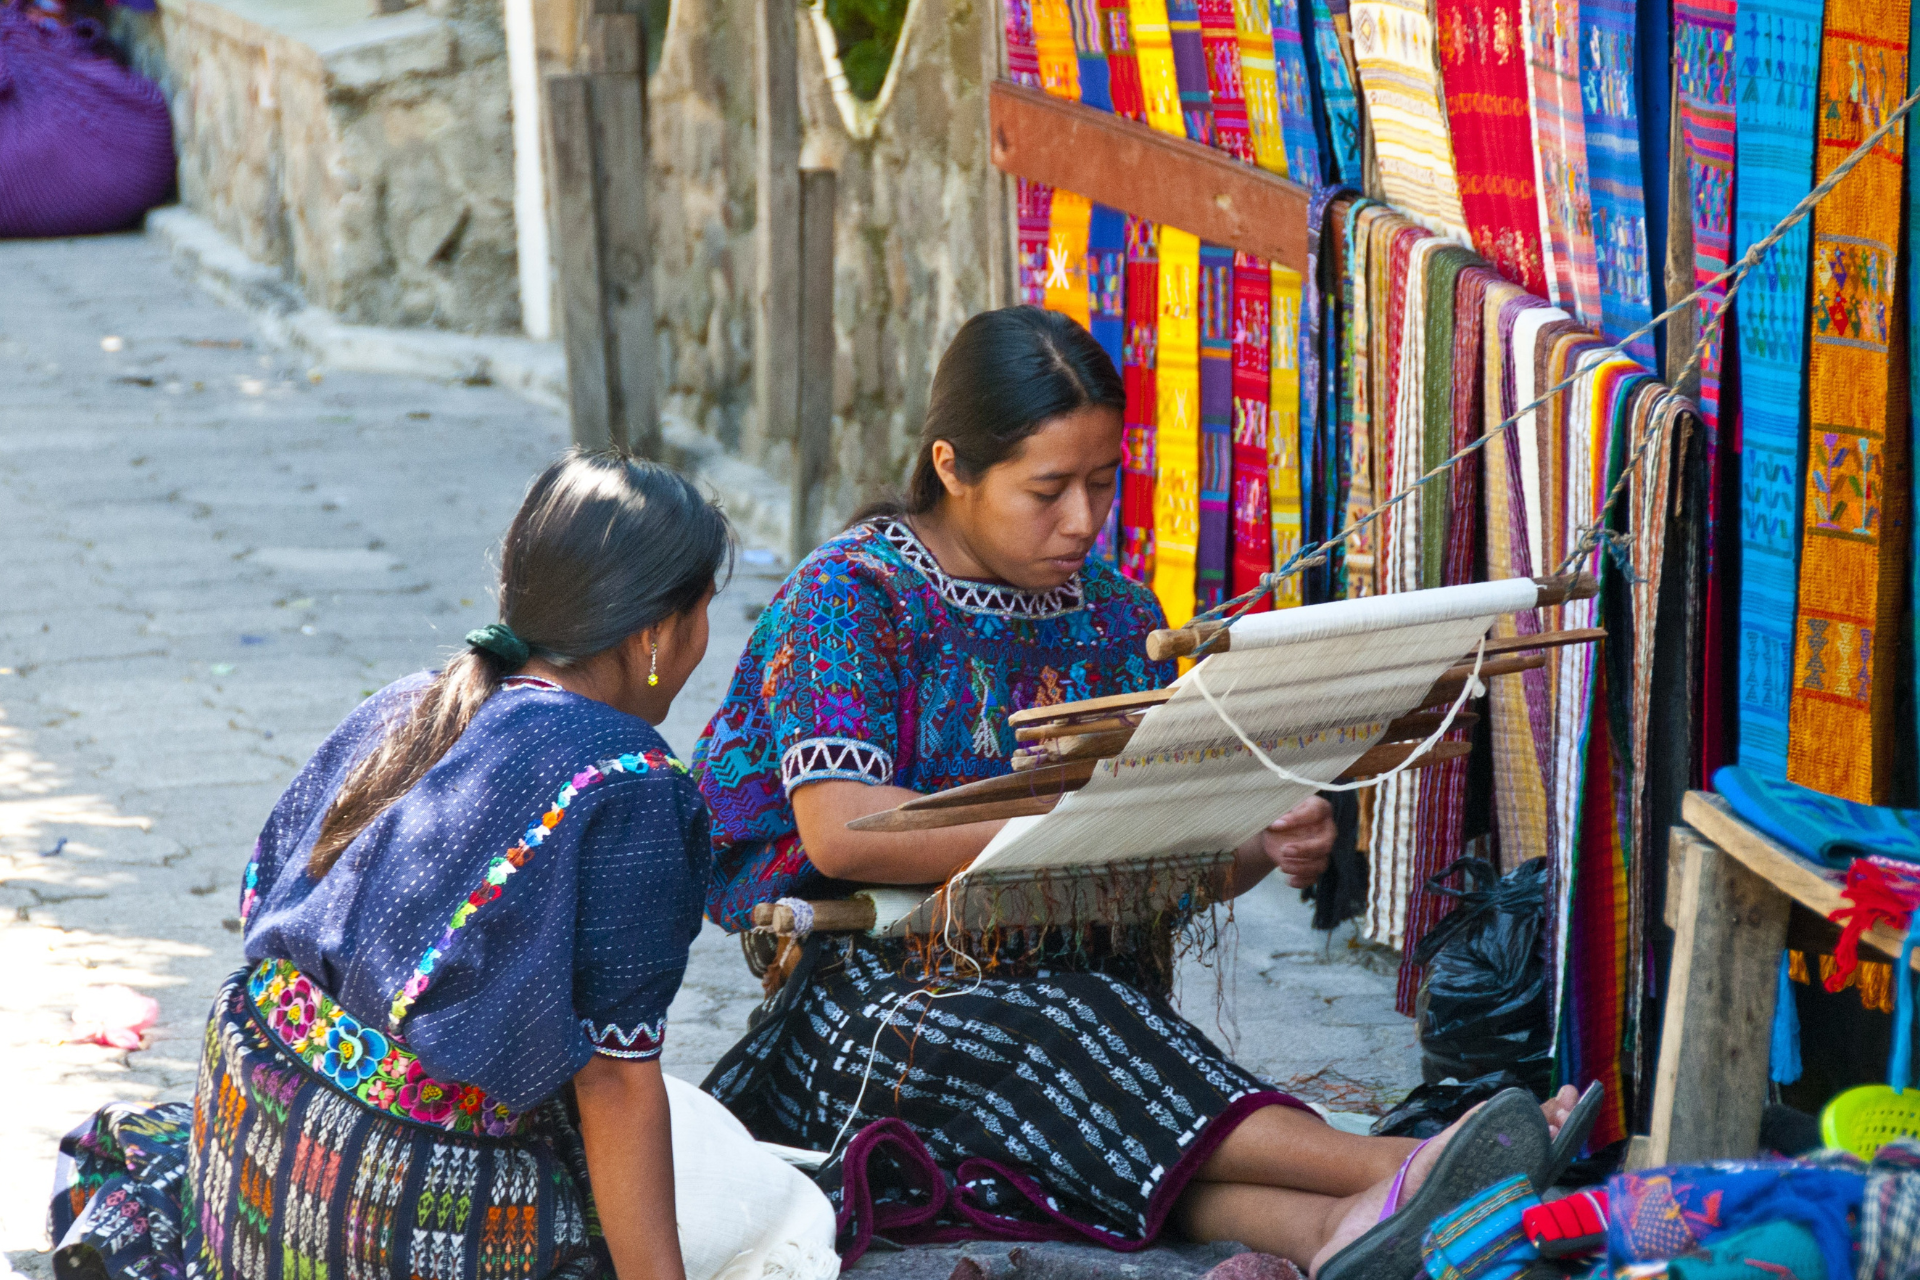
(922,815)
(1093,746)
(833,915)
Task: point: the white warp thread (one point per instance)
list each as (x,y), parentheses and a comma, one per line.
(1473,689)
(802,915)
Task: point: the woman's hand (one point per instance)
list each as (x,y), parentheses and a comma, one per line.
(629,1138)
(1298,843)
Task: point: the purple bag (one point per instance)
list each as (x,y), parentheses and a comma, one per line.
(86,145)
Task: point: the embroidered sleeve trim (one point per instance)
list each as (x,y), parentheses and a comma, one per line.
(501,869)
(817,759)
(641,1044)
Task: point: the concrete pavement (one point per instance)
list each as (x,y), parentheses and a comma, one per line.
(211,553)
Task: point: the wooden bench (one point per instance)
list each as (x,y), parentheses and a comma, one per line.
(1728,892)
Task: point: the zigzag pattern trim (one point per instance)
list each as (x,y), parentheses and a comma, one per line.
(640,1044)
(816,759)
(995,598)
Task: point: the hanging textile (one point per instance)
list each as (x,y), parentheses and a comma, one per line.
(1176,491)
(1220,42)
(1190,69)
(1315,514)
(1560,156)
(1366,486)
(1123,68)
(1778,48)
(1283,429)
(1107,320)
(1339,99)
(1137,369)
(1252,554)
(1393,49)
(1033,201)
(1703,57)
(1153,54)
(1293,95)
(1070,221)
(1216,425)
(1356,467)
(1023,59)
(1853,568)
(1650,502)
(1053,43)
(1253,29)
(1090,53)
(1610,83)
(1483,66)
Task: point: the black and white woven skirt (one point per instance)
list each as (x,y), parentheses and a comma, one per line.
(1065,1105)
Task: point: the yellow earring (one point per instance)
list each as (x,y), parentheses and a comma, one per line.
(653,669)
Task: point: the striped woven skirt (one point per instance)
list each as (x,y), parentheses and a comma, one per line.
(275,1172)
(1064,1106)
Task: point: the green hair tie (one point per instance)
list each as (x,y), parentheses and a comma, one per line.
(497,638)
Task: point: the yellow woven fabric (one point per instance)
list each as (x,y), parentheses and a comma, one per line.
(1153,49)
(1053,42)
(1176,492)
(1847,627)
(1400,78)
(1067,226)
(1253,25)
(1283,430)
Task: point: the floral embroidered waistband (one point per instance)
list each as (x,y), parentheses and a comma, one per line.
(364,1062)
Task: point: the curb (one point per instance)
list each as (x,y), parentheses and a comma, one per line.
(759,505)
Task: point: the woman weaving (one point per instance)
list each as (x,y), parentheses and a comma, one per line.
(1066,1101)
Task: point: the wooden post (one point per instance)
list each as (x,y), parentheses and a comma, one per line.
(813,444)
(1711,1082)
(776,309)
(598,136)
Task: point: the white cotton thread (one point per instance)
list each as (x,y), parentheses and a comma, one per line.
(802,916)
(1472,689)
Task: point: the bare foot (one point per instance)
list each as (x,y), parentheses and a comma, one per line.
(1364,1209)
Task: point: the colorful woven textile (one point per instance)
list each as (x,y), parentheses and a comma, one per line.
(1023,59)
(1253,28)
(1190,69)
(1819,826)
(1252,390)
(1609,81)
(1137,371)
(1777,49)
(1283,429)
(1216,425)
(1033,202)
(1069,221)
(1367,483)
(1053,45)
(1650,507)
(1662,1213)
(1220,41)
(1399,74)
(1090,53)
(1333,61)
(1853,566)
(1560,157)
(1107,321)
(1123,66)
(1293,94)
(1153,54)
(1316,512)
(1703,60)
(1483,64)
(1176,491)
(1482,1239)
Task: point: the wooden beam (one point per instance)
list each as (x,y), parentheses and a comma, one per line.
(1711,1082)
(813,443)
(1152,175)
(776,232)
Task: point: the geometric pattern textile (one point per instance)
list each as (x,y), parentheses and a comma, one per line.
(1220,41)
(1137,370)
(1283,431)
(1483,61)
(1853,563)
(1216,425)
(1778,47)
(1176,491)
(1190,69)
(1252,543)
(1393,46)
(1560,157)
(1253,27)
(1153,52)
(1339,99)
(1294,95)
(1610,85)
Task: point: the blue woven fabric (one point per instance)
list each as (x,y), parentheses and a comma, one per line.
(1336,97)
(583,945)
(1297,132)
(1609,87)
(1107,321)
(1777,56)
(1816,825)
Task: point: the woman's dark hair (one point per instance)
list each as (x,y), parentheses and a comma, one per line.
(1006,374)
(604,546)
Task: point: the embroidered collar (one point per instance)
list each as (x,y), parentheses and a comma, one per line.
(531,682)
(1000,599)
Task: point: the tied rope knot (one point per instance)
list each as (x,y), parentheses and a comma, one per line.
(497,638)
(802,916)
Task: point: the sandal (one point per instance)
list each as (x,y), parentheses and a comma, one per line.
(1573,1136)
(1507,1135)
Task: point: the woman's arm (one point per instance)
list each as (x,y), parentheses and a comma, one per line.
(1298,842)
(629,1139)
(822,810)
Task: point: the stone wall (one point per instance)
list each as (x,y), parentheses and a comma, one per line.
(370,158)
(922,241)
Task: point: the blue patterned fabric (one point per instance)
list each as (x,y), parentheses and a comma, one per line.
(873,664)
(576,950)
(1297,131)
(1777,56)
(1107,321)
(1336,99)
(1816,825)
(1609,88)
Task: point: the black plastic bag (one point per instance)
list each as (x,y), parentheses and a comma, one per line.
(1483,1001)
(1432,1107)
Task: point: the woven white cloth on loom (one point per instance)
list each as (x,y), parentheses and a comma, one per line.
(1314,686)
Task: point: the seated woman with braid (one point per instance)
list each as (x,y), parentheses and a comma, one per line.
(1066,1099)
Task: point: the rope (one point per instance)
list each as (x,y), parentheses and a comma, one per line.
(1589,535)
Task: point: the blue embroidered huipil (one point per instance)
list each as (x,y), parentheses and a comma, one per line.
(874,664)
(527,904)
